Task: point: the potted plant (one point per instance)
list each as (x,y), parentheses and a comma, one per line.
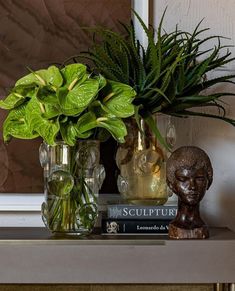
(71,110)
(169,77)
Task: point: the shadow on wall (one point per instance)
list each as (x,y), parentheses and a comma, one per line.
(227,204)
(218,140)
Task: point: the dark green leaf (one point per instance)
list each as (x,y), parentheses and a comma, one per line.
(187,113)
(86,122)
(70,133)
(47,95)
(115,126)
(152,125)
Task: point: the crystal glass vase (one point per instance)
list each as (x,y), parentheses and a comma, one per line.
(142,163)
(72,179)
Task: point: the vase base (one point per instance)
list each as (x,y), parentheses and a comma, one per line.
(143,201)
(69,234)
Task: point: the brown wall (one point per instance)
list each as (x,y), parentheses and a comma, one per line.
(35,34)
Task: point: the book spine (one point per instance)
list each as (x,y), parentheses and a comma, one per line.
(141,212)
(112,226)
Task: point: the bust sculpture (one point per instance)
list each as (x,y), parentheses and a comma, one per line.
(189,175)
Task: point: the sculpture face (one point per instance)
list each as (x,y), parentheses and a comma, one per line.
(190,184)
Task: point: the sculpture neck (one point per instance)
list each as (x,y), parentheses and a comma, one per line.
(188,216)
(189,210)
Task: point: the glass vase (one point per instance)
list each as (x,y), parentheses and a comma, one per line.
(72,179)
(142,163)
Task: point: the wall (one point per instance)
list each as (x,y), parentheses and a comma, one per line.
(215,137)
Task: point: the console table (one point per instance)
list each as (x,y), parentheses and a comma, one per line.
(32,255)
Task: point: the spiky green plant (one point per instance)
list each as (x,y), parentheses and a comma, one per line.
(169,75)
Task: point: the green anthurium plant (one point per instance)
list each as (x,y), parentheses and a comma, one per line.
(62,106)
(67,104)
(169,76)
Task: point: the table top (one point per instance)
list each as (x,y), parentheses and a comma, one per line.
(34,256)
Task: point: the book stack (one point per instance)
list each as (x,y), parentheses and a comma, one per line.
(137,219)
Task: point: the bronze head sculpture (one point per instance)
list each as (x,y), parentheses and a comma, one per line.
(189,175)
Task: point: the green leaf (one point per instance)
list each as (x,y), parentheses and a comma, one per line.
(47,129)
(13,100)
(155,54)
(137,71)
(33,78)
(100,109)
(152,125)
(187,102)
(15,125)
(120,101)
(197,73)
(86,122)
(115,126)
(73,72)
(158,62)
(78,98)
(18,96)
(151,79)
(47,95)
(51,111)
(161,93)
(102,81)
(51,76)
(108,58)
(207,84)
(102,135)
(186,113)
(203,98)
(181,78)
(70,133)
(25,90)
(138,118)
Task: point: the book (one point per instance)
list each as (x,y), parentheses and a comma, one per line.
(122,211)
(112,226)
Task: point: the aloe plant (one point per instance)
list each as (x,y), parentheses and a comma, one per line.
(67,104)
(169,76)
